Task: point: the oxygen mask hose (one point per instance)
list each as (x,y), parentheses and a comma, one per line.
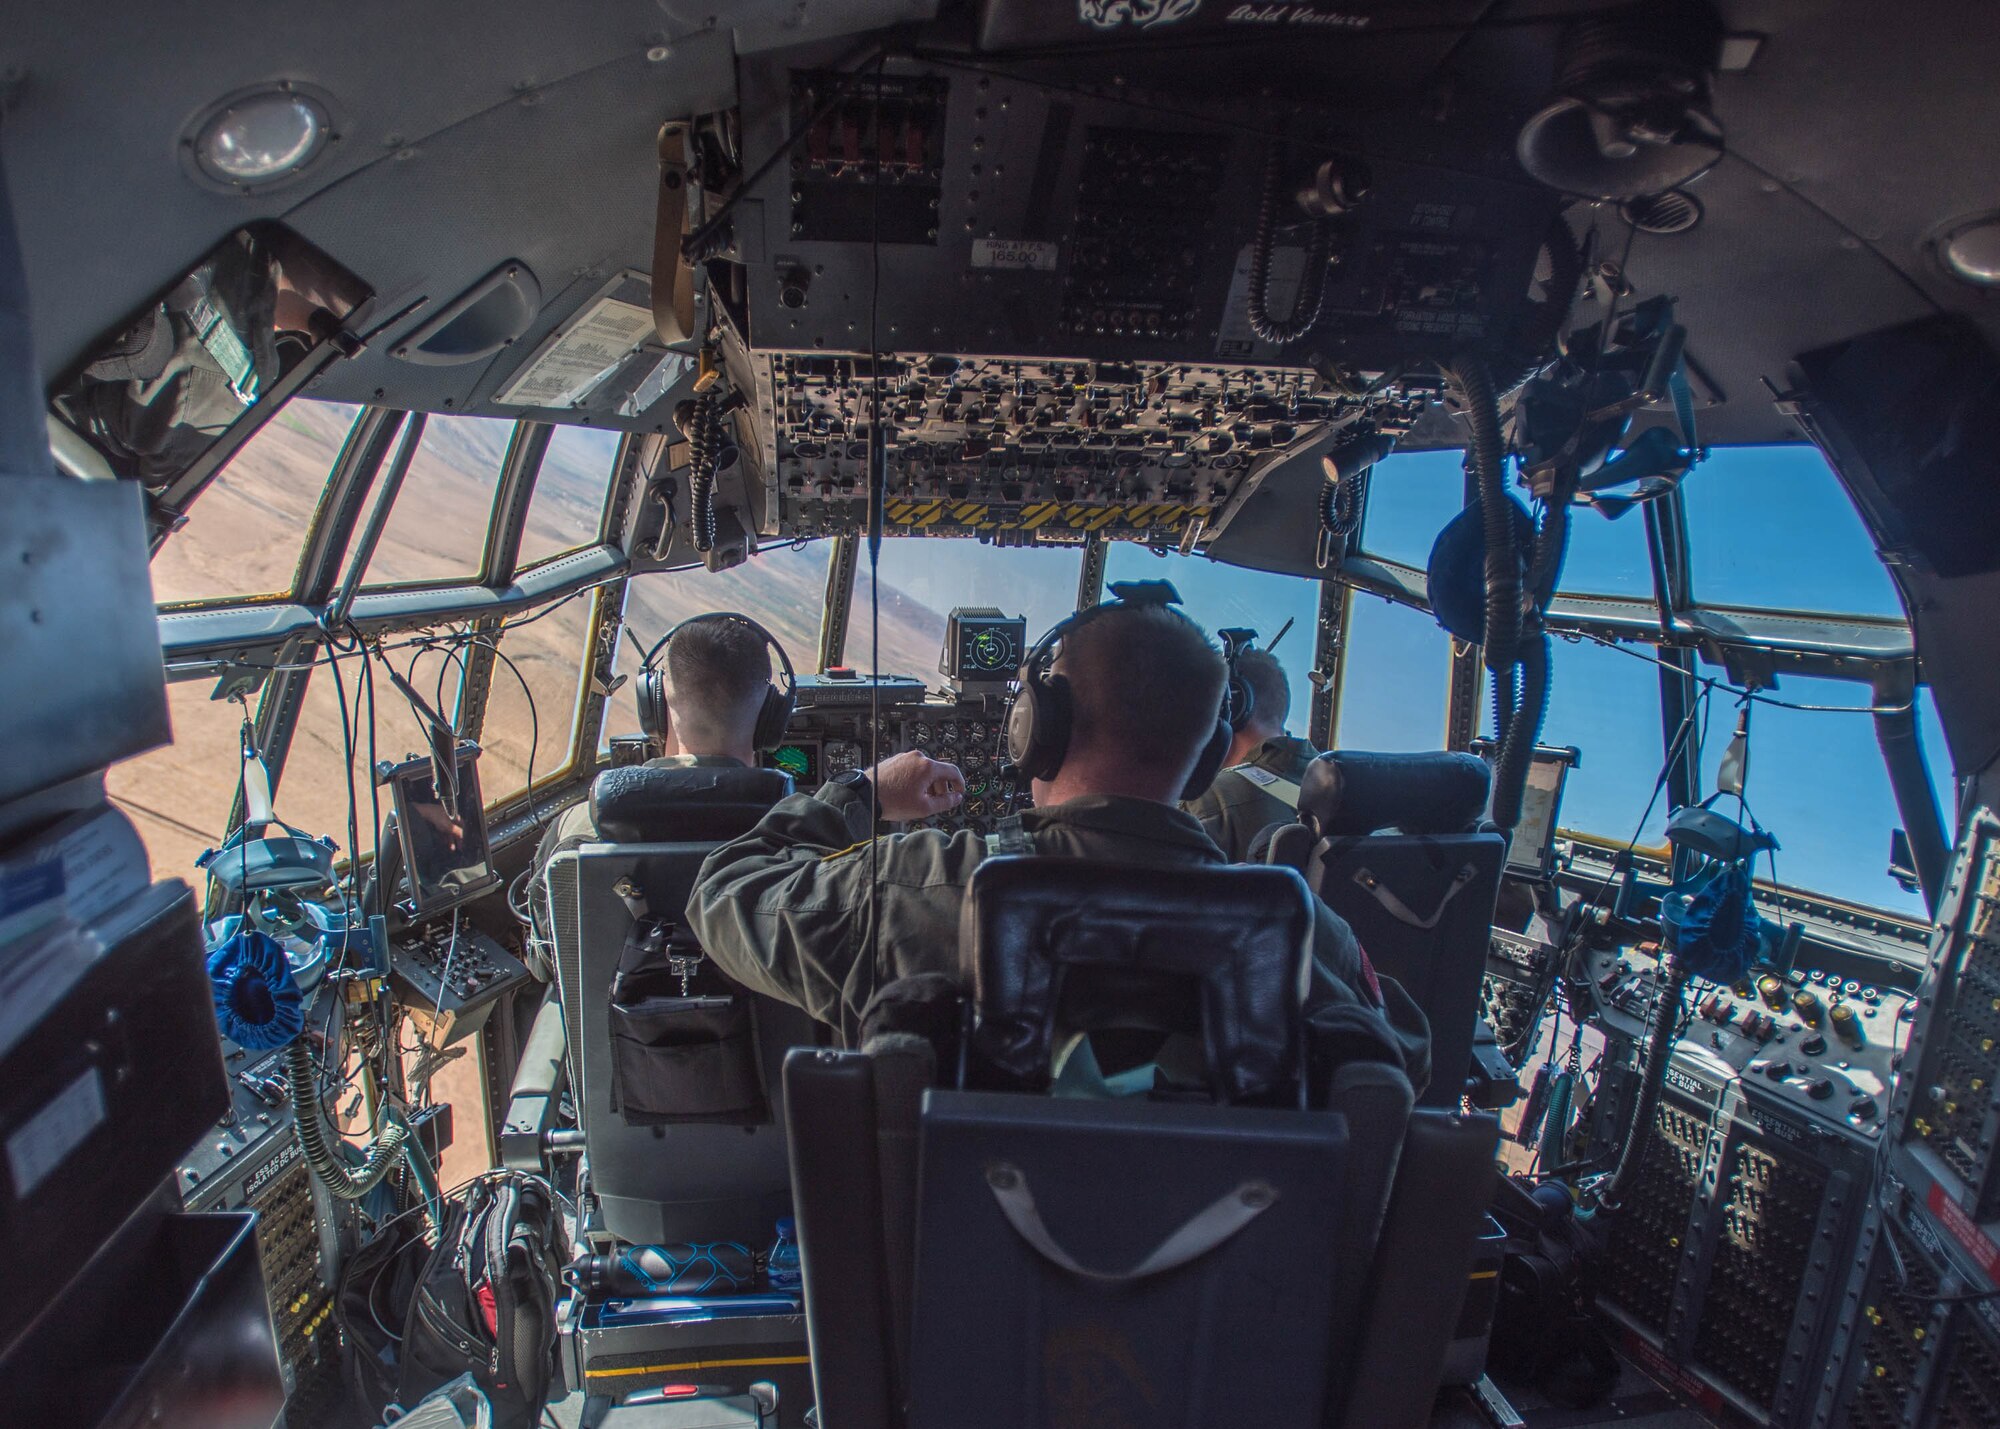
(1517,741)
(701,423)
(1488,453)
(346,1182)
(1544,323)
(1311,294)
(1609,1195)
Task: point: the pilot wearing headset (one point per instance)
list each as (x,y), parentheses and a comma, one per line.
(1116,722)
(1258,785)
(710,700)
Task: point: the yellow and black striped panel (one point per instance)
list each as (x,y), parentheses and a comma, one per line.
(937,517)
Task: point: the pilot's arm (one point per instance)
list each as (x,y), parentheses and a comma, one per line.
(1355,1013)
(785,909)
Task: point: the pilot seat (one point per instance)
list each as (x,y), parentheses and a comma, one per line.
(1395,844)
(675,1077)
(1119,1182)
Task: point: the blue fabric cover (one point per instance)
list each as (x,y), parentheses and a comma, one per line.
(257,1005)
(1716,933)
(1457,572)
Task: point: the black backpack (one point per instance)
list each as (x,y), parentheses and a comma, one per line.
(372,1303)
(486,1302)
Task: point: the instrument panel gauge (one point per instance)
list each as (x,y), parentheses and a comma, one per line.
(992,650)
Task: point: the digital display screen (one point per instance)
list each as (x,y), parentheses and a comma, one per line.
(445,848)
(982,644)
(800,759)
(990,648)
(1532,850)
(1535,836)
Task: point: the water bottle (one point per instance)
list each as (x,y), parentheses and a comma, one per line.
(781,1268)
(719,1269)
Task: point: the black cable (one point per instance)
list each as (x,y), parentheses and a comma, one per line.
(1310,298)
(374,788)
(878,496)
(347,767)
(345,1182)
(1486,453)
(1710,683)
(1674,747)
(1517,746)
(1662,1030)
(534,721)
(703,429)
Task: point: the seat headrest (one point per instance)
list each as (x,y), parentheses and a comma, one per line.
(1346,792)
(648,804)
(1061,945)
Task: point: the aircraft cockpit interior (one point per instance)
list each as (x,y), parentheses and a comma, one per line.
(1000,714)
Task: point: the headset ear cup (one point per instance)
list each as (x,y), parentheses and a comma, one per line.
(1242,699)
(650,698)
(773,718)
(1210,763)
(1038,726)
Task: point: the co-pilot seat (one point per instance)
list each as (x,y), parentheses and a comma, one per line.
(680,1146)
(678,1097)
(1394,844)
(1190,1226)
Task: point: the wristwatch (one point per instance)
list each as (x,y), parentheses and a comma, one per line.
(853,793)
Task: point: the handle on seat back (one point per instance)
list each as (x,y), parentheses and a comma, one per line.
(537,1090)
(1197,1236)
(1401,911)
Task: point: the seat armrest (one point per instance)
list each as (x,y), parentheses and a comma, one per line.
(537,1091)
(1423,1261)
(1493,1083)
(830,1115)
(1290,845)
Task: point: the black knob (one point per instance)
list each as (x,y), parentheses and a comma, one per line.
(1819,1088)
(1777,1071)
(1813,1045)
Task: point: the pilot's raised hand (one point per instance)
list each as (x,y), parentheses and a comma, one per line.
(912,785)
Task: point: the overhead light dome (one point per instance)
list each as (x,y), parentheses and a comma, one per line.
(262,137)
(1972,251)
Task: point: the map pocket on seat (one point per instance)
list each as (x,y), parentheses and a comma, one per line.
(681,1059)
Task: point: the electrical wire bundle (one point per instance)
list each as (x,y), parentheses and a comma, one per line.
(344,1042)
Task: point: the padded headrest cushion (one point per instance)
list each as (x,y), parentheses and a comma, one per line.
(647,804)
(1061,945)
(1346,792)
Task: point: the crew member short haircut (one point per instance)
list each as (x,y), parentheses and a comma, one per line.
(1146,682)
(1268,687)
(717,671)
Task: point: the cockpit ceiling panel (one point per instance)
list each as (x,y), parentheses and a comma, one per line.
(96,102)
(1867,136)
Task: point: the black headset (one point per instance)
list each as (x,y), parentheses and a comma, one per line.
(772,717)
(1239,700)
(1038,725)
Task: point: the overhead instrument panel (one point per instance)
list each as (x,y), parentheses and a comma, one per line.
(1024,220)
(1095,311)
(1027,451)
